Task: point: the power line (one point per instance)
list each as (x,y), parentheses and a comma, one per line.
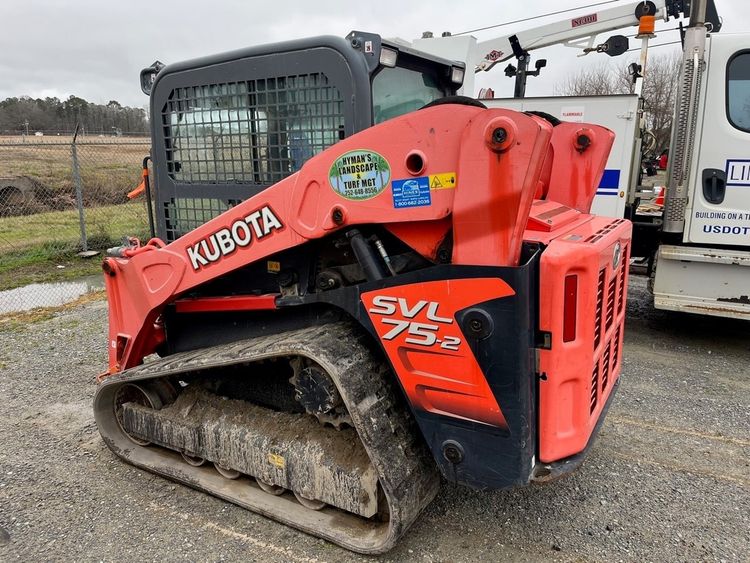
(654,46)
(536,17)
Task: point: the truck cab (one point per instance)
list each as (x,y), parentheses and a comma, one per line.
(705,266)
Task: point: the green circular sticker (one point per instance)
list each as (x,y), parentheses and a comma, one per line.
(359,174)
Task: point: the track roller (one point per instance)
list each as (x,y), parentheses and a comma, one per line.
(310,503)
(195,461)
(226,472)
(271,489)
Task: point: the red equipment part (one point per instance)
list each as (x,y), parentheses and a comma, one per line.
(579,154)
(488,216)
(497,160)
(578,370)
(417,326)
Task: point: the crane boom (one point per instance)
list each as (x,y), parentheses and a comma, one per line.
(567,32)
(579,32)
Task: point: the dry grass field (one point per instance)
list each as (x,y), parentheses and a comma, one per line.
(40,232)
(109,168)
(42,247)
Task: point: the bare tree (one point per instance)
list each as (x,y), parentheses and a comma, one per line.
(659,94)
(594,80)
(659,89)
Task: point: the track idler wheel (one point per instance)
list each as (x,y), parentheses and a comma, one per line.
(142,394)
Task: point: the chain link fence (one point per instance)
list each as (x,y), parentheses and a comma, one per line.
(58,198)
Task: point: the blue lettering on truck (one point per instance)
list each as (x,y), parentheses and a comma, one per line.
(726,230)
(738,172)
(741,217)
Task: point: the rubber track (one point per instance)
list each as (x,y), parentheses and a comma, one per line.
(407,473)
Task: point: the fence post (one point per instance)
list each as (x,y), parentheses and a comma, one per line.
(79,191)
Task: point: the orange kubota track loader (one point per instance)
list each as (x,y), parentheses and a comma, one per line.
(426,297)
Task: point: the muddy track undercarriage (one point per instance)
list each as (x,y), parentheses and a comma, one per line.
(349,466)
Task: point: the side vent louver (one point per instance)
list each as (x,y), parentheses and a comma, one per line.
(605,368)
(599,310)
(594,387)
(611,301)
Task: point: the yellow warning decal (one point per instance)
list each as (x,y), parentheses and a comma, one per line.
(276,460)
(274,267)
(444,181)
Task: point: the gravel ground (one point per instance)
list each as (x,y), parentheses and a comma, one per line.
(668,479)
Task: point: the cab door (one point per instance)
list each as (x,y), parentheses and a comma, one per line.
(719,209)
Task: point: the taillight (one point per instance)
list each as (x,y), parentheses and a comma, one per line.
(570,306)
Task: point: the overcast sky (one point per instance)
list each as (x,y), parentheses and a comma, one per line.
(96,48)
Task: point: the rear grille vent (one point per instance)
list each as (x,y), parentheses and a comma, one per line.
(611,301)
(604,230)
(605,368)
(599,309)
(594,388)
(615,348)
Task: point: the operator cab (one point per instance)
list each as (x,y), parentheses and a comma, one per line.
(227,126)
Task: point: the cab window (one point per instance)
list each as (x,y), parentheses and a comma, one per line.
(738,91)
(398,90)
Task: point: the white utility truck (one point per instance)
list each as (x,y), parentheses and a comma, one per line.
(698,249)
